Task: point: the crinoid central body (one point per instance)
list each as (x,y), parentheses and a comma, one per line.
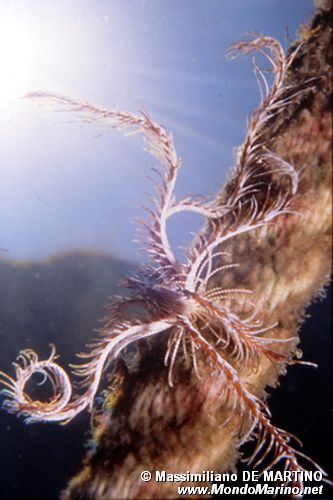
(191,302)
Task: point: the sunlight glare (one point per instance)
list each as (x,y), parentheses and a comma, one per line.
(17,54)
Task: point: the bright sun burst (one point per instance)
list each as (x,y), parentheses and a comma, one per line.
(17,56)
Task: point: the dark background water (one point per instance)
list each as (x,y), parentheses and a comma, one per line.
(57,301)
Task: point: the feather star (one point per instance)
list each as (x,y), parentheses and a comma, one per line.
(180,299)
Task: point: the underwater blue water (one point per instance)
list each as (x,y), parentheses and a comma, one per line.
(67,185)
